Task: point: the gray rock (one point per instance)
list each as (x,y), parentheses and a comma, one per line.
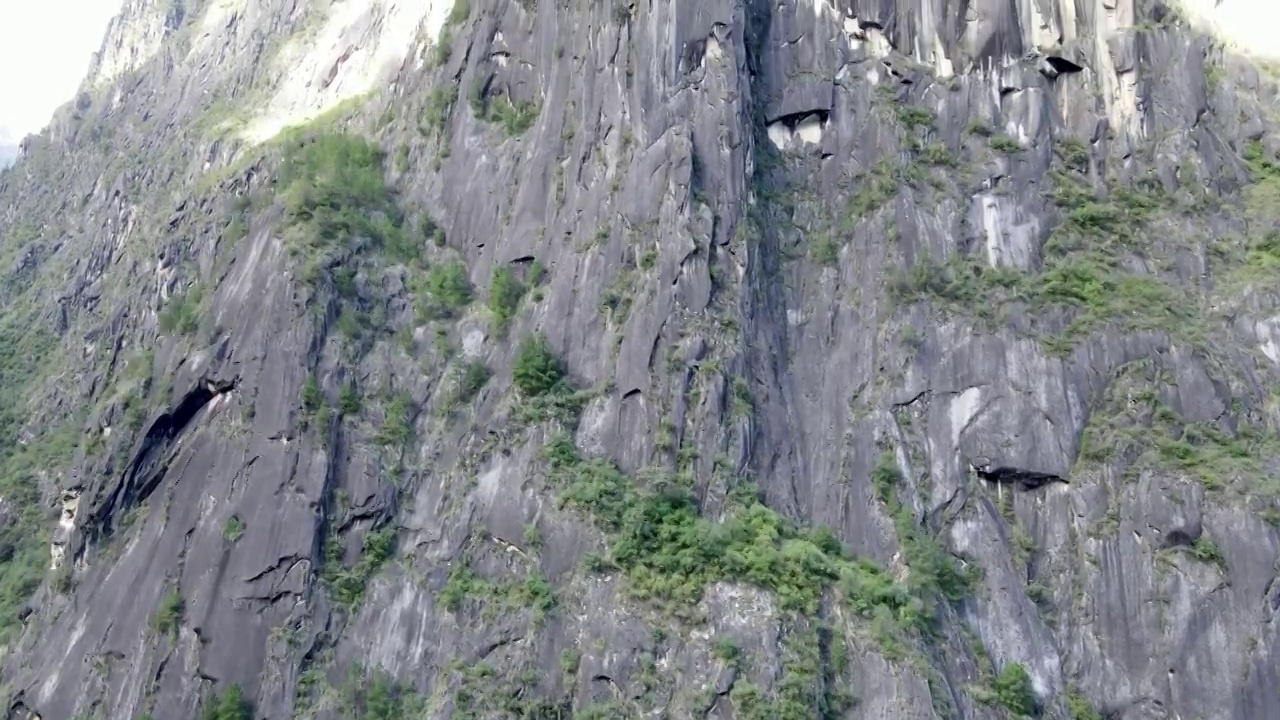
(1020,252)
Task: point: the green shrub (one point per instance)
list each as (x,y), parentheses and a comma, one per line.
(470,380)
(505,293)
(28,352)
(1006,145)
(617,297)
(979,128)
(1013,690)
(335,195)
(534,592)
(446,290)
(726,649)
(377,697)
(1080,708)
(233,529)
(181,314)
(134,410)
(439,108)
(670,553)
(347,585)
(230,705)
(915,117)
(351,324)
(939,155)
(1073,153)
(344,281)
(1205,550)
(169,616)
(514,116)
(1083,272)
(749,703)
(569,661)
(460,12)
(933,571)
(537,370)
(1152,435)
(874,190)
(824,249)
(312,397)
(397,427)
(349,401)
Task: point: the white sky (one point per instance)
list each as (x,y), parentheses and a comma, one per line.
(45,47)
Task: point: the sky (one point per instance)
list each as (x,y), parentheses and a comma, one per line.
(45,48)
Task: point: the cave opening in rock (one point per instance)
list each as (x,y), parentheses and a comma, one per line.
(1058,65)
(149,462)
(1021,479)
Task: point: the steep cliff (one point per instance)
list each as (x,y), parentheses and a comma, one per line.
(726,359)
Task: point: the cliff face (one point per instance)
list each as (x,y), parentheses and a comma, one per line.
(503,358)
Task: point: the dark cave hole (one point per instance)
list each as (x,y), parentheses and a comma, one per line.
(150,461)
(1022,479)
(1063,65)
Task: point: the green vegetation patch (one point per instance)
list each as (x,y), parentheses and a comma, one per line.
(1013,690)
(533,593)
(670,553)
(169,615)
(484,692)
(444,291)
(347,584)
(514,116)
(808,687)
(230,704)
(545,390)
(397,425)
(876,188)
(457,16)
(933,570)
(1083,272)
(1253,260)
(468,380)
(233,529)
(505,293)
(1080,707)
(537,370)
(336,199)
(26,353)
(1135,427)
(182,313)
(439,108)
(376,696)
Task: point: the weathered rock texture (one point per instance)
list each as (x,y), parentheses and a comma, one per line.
(987,278)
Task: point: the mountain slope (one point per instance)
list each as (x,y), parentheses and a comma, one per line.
(729,360)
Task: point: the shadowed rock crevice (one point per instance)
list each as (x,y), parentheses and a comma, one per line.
(1057,65)
(150,461)
(1017,477)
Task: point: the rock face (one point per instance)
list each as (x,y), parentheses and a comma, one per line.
(726,359)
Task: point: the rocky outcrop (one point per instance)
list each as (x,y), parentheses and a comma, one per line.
(721,359)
